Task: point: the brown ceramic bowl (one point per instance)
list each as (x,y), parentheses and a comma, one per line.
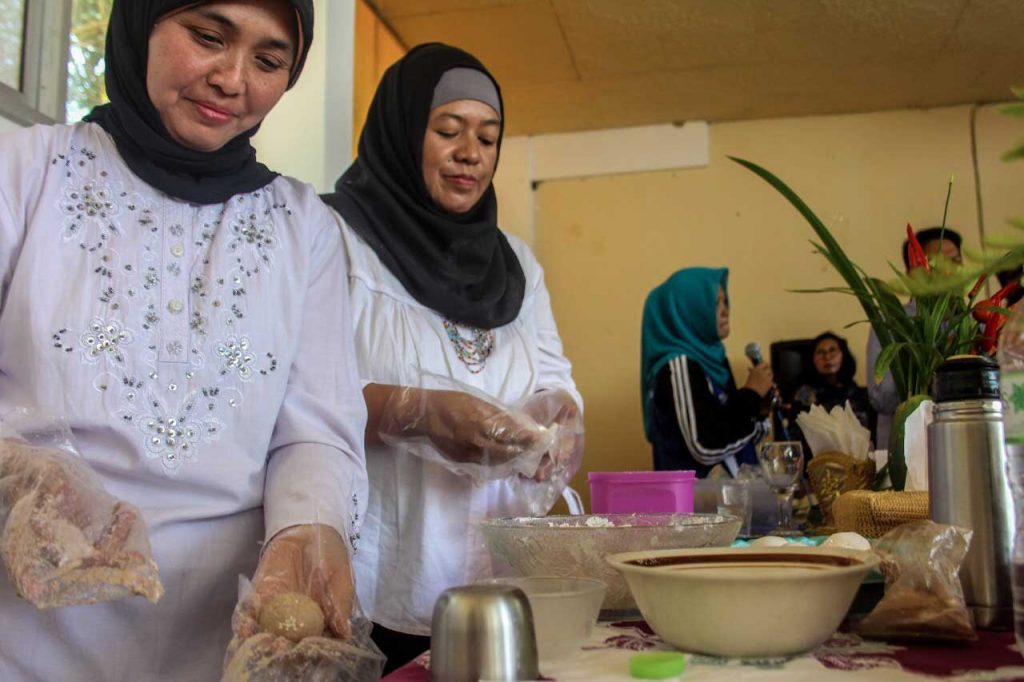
(746,602)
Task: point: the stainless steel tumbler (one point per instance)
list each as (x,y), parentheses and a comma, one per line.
(968,484)
(483,632)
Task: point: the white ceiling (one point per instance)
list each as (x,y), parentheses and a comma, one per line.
(585,64)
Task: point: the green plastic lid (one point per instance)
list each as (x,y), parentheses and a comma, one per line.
(657,665)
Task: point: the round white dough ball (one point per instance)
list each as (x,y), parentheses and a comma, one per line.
(847,540)
(769,541)
(292,615)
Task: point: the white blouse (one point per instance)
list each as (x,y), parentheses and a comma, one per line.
(419,535)
(202,356)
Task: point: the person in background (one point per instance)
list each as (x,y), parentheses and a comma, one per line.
(694,416)
(1005,277)
(175,302)
(830,381)
(438,290)
(882,394)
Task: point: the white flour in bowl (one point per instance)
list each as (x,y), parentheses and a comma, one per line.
(592,522)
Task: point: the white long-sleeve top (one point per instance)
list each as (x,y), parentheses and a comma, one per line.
(205,365)
(419,536)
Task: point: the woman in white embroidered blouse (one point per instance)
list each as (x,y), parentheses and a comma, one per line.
(168,296)
(437,289)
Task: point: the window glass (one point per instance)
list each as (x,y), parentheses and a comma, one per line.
(85,59)
(12,41)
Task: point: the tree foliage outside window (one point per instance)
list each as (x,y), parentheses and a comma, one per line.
(86,63)
(12,41)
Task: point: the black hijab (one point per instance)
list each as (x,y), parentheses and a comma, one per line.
(460,265)
(140,135)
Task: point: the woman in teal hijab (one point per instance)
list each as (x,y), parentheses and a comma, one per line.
(694,416)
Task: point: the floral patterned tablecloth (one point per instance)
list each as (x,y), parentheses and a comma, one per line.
(845,657)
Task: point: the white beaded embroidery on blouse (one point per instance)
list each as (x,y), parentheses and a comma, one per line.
(197,360)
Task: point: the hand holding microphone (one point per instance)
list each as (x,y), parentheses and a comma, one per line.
(760,380)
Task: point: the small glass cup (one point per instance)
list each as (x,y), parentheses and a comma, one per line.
(735,499)
(781,465)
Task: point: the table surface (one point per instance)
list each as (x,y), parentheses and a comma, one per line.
(844,657)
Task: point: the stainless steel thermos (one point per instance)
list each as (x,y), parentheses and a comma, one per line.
(968,484)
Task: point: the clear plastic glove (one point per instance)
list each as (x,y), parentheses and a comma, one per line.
(467,433)
(312,560)
(66,541)
(265,657)
(557,410)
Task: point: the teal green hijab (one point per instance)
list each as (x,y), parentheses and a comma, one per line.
(681,318)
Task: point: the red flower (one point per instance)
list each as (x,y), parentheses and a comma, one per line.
(993,319)
(915,252)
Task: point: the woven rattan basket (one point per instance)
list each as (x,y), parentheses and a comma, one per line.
(832,474)
(873,514)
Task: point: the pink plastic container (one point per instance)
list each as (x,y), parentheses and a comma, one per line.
(626,492)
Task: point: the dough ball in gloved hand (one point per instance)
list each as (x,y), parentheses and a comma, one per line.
(292,615)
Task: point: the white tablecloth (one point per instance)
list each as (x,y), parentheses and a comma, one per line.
(843,658)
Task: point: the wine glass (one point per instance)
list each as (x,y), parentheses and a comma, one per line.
(781,465)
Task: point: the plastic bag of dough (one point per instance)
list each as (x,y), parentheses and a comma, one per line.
(64,540)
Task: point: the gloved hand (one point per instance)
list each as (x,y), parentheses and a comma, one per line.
(66,541)
(556,407)
(463,428)
(267,658)
(310,559)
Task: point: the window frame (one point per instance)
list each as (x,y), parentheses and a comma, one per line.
(47,39)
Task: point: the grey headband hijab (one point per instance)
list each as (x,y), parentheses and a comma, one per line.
(464,83)
(460,265)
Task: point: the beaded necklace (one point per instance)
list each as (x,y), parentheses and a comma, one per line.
(473,351)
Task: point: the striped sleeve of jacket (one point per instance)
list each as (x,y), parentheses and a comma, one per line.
(712,430)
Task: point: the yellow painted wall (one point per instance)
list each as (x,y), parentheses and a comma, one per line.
(376,48)
(298,150)
(1002,184)
(606,241)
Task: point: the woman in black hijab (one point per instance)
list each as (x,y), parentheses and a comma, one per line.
(171,299)
(462,365)
(459,264)
(199,176)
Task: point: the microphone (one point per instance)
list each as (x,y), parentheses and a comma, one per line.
(753,353)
